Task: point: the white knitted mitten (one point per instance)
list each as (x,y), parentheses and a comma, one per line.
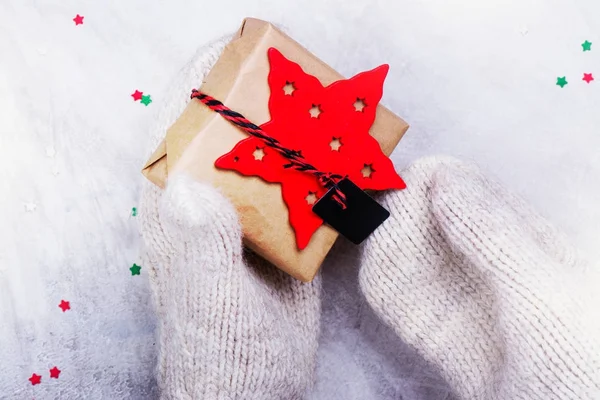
(484,288)
(228,330)
(230,325)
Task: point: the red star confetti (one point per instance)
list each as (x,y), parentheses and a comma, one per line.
(329,125)
(64,305)
(55,372)
(137,95)
(78,19)
(588,77)
(35,379)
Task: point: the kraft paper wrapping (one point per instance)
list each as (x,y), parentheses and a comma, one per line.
(200,136)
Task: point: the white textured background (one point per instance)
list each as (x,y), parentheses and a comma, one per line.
(475,79)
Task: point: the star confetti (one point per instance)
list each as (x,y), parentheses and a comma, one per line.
(55,372)
(587,46)
(64,305)
(588,77)
(146,100)
(135,269)
(30,206)
(561,81)
(78,19)
(35,379)
(137,95)
(329,125)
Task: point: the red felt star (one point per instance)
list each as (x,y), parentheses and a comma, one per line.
(35,379)
(588,77)
(329,125)
(78,19)
(55,372)
(64,305)
(137,95)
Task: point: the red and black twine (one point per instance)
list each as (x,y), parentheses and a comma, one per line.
(297,161)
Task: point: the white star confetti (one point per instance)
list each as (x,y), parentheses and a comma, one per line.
(50,152)
(30,206)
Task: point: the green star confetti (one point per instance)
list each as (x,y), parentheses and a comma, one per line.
(587,46)
(135,269)
(561,81)
(134,212)
(146,100)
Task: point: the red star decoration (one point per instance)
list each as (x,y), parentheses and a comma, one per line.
(55,372)
(137,95)
(35,379)
(78,19)
(588,77)
(64,305)
(309,117)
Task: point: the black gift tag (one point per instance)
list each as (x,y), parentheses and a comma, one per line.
(359,219)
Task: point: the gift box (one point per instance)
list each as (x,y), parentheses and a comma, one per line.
(200,136)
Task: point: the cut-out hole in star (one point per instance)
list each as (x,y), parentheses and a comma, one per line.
(311,198)
(289,88)
(359,104)
(367,171)
(335,143)
(236,159)
(258,154)
(315,111)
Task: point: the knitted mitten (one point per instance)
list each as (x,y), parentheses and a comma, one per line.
(231,326)
(483,288)
(228,330)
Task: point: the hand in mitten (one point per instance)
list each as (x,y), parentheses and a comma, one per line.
(231,326)
(484,288)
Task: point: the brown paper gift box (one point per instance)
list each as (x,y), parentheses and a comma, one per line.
(200,136)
